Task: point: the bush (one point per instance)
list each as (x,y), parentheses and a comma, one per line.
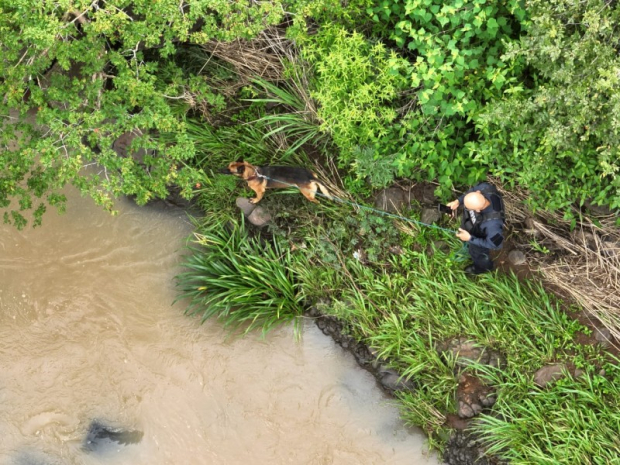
(559,136)
(244,282)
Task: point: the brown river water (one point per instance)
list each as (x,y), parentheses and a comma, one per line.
(88,332)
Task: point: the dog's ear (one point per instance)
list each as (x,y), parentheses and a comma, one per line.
(240,169)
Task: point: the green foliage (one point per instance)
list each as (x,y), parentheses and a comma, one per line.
(407,307)
(355,84)
(76,75)
(570,421)
(559,135)
(244,282)
(454,68)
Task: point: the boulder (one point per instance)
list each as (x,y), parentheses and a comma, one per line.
(122,146)
(245,205)
(467,351)
(392,199)
(259,217)
(603,336)
(516,257)
(430,215)
(548,374)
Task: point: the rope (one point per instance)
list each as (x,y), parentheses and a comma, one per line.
(354,204)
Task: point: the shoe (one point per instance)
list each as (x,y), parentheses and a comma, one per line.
(471,269)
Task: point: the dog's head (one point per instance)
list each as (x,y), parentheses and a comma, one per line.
(240,169)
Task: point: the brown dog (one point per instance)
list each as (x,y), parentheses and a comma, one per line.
(260,178)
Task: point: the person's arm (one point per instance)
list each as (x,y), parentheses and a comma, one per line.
(494,237)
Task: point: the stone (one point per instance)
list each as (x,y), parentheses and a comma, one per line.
(430,215)
(101,437)
(244,205)
(122,146)
(428,195)
(488,401)
(548,374)
(579,372)
(259,217)
(467,351)
(392,199)
(603,336)
(610,249)
(465,411)
(597,210)
(516,257)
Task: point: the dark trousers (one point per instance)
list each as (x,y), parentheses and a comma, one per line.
(481,257)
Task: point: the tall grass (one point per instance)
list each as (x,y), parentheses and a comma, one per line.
(407,309)
(242,281)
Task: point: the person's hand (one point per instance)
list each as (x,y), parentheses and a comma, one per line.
(453,205)
(463,235)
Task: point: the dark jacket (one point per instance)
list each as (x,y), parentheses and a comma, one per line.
(488,230)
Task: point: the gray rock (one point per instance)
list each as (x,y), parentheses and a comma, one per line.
(122,146)
(245,206)
(516,257)
(428,195)
(466,351)
(548,374)
(392,199)
(579,372)
(610,249)
(465,411)
(488,401)
(597,210)
(430,215)
(259,217)
(603,336)
(477,408)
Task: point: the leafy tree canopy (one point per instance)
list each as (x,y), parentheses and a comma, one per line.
(77,74)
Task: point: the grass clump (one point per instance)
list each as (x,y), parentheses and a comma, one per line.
(242,281)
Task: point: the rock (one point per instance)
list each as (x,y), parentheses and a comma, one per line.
(610,249)
(603,336)
(597,210)
(579,372)
(396,250)
(548,374)
(465,411)
(245,206)
(428,195)
(583,238)
(488,401)
(392,199)
(467,351)
(430,215)
(516,257)
(102,437)
(259,217)
(122,146)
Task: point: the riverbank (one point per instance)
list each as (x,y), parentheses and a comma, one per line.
(494,366)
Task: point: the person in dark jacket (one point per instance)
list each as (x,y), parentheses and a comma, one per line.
(482,226)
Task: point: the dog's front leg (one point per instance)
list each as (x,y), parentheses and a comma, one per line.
(260,192)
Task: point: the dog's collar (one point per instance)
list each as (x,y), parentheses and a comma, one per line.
(256,176)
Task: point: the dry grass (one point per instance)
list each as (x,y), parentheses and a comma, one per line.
(259,57)
(589,270)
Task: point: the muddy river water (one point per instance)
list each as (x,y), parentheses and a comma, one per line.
(88,334)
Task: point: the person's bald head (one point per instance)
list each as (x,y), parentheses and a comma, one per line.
(475,201)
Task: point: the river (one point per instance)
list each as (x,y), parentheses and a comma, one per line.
(88,333)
